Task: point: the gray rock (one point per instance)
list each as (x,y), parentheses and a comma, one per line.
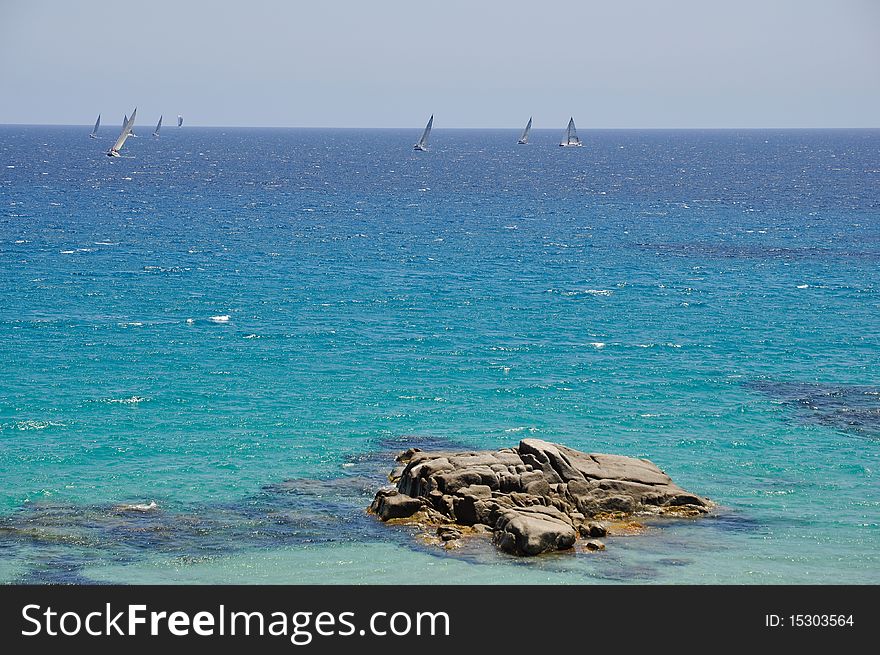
(396,506)
(592,529)
(535,498)
(447,533)
(525,532)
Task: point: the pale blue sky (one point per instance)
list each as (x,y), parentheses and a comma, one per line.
(378,63)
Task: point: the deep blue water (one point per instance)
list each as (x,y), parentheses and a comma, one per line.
(708,300)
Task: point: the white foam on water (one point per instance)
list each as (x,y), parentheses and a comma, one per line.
(803,286)
(68,252)
(37,425)
(134,400)
(222,318)
(597,344)
(252,336)
(138,507)
(190,321)
(588,292)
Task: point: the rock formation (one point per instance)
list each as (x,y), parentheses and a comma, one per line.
(536,498)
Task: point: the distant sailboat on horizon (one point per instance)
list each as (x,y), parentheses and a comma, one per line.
(125,122)
(422,145)
(179,120)
(158,127)
(94,134)
(571,137)
(126,132)
(524,139)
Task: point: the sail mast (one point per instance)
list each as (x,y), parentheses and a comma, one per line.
(525,135)
(423,142)
(126,132)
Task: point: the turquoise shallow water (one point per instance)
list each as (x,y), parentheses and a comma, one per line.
(708,300)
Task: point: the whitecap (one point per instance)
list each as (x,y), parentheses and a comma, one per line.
(138,507)
(190,321)
(134,400)
(222,318)
(597,344)
(803,286)
(252,336)
(37,425)
(589,292)
(67,252)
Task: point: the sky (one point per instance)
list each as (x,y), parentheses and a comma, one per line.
(472,63)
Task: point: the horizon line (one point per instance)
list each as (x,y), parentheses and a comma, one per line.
(477,127)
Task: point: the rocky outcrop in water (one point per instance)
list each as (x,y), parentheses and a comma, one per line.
(538,497)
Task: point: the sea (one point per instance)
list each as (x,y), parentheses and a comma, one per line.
(213,346)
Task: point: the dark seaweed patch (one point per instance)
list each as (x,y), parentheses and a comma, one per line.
(58,540)
(852,409)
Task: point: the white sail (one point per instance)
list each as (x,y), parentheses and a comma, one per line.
(158,126)
(524,139)
(179,120)
(423,142)
(94,133)
(125,122)
(571,137)
(126,132)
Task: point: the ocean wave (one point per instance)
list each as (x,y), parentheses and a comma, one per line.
(134,400)
(32,424)
(589,292)
(137,507)
(221,318)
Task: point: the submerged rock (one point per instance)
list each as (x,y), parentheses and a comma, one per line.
(538,497)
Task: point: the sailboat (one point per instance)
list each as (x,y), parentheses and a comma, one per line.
(124,122)
(571,136)
(524,139)
(179,120)
(126,132)
(158,126)
(94,134)
(422,145)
